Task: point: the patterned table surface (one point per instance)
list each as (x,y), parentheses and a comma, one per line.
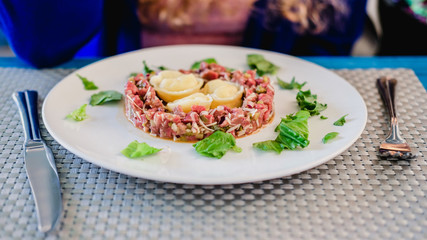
(353,196)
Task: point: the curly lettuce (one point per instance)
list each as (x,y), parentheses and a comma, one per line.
(308,101)
(78,114)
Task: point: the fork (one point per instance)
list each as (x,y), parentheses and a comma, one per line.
(394,146)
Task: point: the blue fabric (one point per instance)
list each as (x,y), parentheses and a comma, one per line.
(46,33)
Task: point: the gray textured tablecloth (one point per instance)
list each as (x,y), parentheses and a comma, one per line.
(353,196)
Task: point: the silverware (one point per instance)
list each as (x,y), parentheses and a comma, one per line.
(39,164)
(394,146)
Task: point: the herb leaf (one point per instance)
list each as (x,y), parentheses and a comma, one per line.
(329,137)
(262,66)
(323,117)
(88,85)
(137,150)
(216,145)
(292,85)
(196,65)
(78,114)
(105,96)
(146,69)
(308,101)
(341,121)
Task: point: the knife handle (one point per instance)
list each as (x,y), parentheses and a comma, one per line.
(19,98)
(32,105)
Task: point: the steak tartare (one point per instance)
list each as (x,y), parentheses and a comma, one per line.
(147,111)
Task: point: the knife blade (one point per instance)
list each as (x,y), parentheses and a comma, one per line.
(39,164)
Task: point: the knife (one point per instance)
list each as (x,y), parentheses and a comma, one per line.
(39,164)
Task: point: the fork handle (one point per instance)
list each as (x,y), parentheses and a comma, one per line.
(386,88)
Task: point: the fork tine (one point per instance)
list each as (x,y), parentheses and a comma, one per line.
(397,155)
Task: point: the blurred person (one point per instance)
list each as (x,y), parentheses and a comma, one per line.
(46,33)
(403,27)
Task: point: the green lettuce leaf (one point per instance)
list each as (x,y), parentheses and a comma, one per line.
(293,130)
(88,85)
(329,137)
(292,85)
(293,133)
(308,101)
(196,65)
(341,121)
(78,114)
(260,64)
(136,149)
(105,96)
(216,145)
(269,145)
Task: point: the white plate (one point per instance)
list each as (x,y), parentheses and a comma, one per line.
(100,138)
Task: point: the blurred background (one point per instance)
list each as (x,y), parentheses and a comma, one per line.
(5,50)
(392,27)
